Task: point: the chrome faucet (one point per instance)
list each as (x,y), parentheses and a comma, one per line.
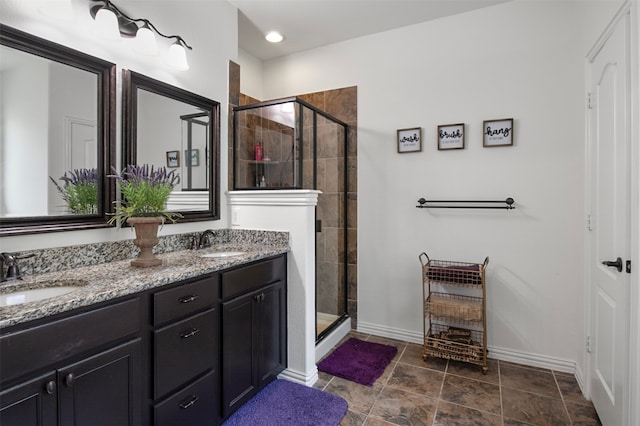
(13,272)
(204,239)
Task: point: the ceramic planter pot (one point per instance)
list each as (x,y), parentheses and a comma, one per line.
(146,239)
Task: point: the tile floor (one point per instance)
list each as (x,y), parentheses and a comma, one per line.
(440,392)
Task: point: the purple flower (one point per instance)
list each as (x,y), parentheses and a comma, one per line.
(133,173)
(80,177)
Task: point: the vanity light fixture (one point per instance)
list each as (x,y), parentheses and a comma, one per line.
(274,37)
(146,41)
(114,23)
(107,23)
(177,57)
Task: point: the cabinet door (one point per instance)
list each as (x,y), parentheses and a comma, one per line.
(272,334)
(104,389)
(31,403)
(239,363)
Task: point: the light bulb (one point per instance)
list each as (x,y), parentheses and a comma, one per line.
(177,57)
(107,24)
(145,42)
(274,37)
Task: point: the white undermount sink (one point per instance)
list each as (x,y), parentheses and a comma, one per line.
(223,254)
(20,296)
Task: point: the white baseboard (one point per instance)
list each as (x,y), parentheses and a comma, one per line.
(390,333)
(502,354)
(298,377)
(321,349)
(531,359)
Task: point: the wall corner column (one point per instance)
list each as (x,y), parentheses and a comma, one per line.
(292,211)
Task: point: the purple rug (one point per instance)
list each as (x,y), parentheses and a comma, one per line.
(285,403)
(359,361)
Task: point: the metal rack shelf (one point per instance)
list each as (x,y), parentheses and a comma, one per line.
(445,311)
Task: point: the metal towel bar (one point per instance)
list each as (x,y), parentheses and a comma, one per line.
(475,204)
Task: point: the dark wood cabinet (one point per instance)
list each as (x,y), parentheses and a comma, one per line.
(103,389)
(272,333)
(254,341)
(34,402)
(155,357)
(239,360)
(197,404)
(186,353)
(90,376)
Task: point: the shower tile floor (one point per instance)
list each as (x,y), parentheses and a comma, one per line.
(439,392)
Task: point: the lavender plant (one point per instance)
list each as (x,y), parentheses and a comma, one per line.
(145,191)
(80,190)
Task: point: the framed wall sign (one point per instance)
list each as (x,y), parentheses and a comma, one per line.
(410,140)
(192,157)
(451,136)
(173,158)
(497,132)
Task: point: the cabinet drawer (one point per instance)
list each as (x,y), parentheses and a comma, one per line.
(185,299)
(195,405)
(25,351)
(184,350)
(248,278)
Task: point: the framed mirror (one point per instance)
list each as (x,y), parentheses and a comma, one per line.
(164,125)
(56,136)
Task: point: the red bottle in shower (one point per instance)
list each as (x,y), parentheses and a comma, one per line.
(258,152)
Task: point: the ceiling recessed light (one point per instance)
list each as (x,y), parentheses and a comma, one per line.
(274,37)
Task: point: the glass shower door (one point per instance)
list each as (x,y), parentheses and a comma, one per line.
(331,262)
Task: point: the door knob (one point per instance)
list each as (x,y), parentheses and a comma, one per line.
(617,264)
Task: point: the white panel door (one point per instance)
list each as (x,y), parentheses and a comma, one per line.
(610,171)
(84,147)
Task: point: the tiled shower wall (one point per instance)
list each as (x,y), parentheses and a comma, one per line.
(342,104)
(254,127)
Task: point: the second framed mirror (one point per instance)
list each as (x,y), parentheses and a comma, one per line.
(164,125)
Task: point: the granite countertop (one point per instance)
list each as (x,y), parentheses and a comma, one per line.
(107,281)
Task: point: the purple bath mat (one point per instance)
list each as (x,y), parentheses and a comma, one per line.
(285,403)
(359,361)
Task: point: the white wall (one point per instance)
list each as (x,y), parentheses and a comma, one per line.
(209,26)
(72,96)
(520,59)
(24,130)
(251,75)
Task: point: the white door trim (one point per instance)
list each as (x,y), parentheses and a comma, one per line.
(632,414)
(634,355)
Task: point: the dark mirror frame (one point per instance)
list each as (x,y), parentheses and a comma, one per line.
(131,82)
(106,73)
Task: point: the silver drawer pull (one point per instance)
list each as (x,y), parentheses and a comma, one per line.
(187,299)
(187,404)
(190,333)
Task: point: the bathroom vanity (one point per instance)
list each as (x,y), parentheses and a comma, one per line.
(145,347)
